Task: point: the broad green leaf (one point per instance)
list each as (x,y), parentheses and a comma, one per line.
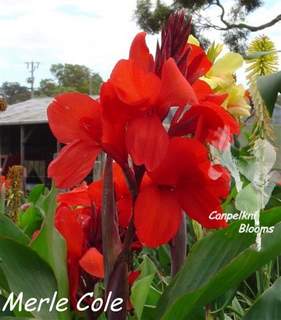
(30,220)
(216,264)
(268,305)
(26,272)
(51,246)
(5,313)
(9,230)
(3,281)
(140,291)
(13,318)
(35,193)
(142,286)
(269,87)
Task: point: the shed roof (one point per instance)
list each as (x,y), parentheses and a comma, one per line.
(28,112)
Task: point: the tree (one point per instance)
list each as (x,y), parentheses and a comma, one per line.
(231,22)
(70,77)
(14,92)
(47,87)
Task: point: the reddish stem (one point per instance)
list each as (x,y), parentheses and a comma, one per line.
(178,248)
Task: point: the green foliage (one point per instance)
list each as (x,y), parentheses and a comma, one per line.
(70,77)
(51,246)
(14,92)
(142,286)
(269,87)
(9,230)
(268,305)
(26,272)
(215,264)
(151,17)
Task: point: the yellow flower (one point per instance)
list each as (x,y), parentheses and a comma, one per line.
(221,79)
(236,103)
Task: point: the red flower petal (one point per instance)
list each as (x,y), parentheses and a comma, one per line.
(221,183)
(198,63)
(147,141)
(175,89)
(115,116)
(73,164)
(95,192)
(181,161)
(133,85)
(216,125)
(124,206)
(75,197)
(92,262)
(74,280)
(198,201)
(132,277)
(139,53)
(157,216)
(66,114)
(205,94)
(202,89)
(69,227)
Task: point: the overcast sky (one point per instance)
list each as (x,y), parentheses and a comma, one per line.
(95,33)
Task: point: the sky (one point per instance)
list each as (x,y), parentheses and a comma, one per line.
(96,33)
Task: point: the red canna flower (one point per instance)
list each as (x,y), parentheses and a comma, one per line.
(135,101)
(185,181)
(75,120)
(122,195)
(207,120)
(92,262)
(74,224)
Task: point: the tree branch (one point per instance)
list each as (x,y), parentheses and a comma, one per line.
(229,26)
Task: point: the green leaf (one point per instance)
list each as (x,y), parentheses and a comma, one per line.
(269,87)
(6,312)
(139,294)
(30,220)
(268,305)
(36,193)
(51,246)
(217,263)
(26,272)
(13,318)
(142,286)
(9,230)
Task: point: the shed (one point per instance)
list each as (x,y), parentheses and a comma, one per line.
(25,138)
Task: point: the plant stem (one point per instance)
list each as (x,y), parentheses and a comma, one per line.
(116,275)
(110,232)
(178,248)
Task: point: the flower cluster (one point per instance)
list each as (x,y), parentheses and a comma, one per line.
(78,219)
(155,117)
